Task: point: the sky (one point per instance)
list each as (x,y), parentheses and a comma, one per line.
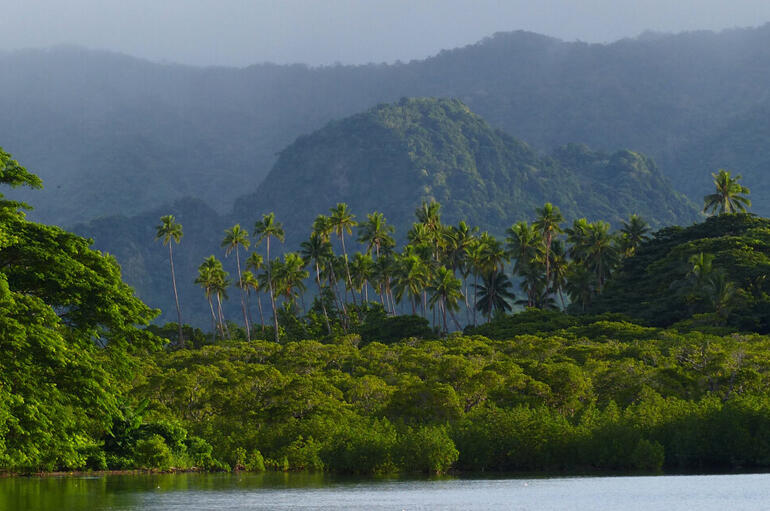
(322,32)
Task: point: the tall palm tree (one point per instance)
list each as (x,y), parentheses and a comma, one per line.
(318,251)
(634,232)
(600,252)
(411,279)
(250,283)
(375,233)
(236,237)
(523,243)
(495,293)
(547,223)
(729,196)
(475,257)
(255,262)
(446,291)
(362,272)
(264,230)
(289,276)
(342,221)
(169,229)
(214,280)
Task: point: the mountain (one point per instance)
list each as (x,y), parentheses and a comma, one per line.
(113,134)
(390,159)
(395,156)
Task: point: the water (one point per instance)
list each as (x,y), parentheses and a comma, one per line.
(193,492)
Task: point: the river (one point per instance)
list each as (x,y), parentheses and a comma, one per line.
(193,492)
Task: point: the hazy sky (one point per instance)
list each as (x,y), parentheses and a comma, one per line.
(241,32)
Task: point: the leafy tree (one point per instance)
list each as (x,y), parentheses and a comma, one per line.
(729,196)
(169,229)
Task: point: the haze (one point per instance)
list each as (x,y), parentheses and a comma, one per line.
(242,32)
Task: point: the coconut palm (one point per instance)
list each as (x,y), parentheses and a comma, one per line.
(289,275)
(362,271)
(376,234)
(547,223)
(446,291)
(634,232)
(600,252)
(214,280)
(169,229)
(729,196)
(581,285)
(236,237)
(523,243)
(411,279)
(250,283)
(264,230)
(475,257)
(255,262)
(494,294)
(342,221)
(318,252)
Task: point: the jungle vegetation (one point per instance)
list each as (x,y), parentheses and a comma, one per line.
(366,378)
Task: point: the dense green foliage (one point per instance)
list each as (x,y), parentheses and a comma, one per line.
(110,133)
(598,394)
(69,340)
(667,280)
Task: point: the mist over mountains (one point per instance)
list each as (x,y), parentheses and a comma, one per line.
(114,134)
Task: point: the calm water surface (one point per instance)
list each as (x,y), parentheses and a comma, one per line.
(192,492)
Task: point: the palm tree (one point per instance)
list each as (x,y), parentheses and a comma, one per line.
(236,237)
(214,280)
(634,232)
(523,244)
(342,221)
(445,290)
(255,262)
(581,285)
(318,251)
(362,272)
(475,259)
(411,279)
(169,229)
(495,293)
(375,233)
(289,276)
(729,195)
(600,251)
(548,219)
(265,229)
(250,283)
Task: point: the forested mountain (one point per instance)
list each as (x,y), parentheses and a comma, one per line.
(113,134)
(391,159)
(394,157)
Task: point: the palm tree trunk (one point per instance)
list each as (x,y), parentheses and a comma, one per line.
(270,287)
(261,316)
(222,324)
(443,313)
(475,295)
(214,328)
(321,297)
(180,339)
(243,295)
(347,268)
(457,323)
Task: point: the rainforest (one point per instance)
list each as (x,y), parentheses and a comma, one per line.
(562,346)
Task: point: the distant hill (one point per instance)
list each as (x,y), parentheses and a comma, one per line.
(390,159)
(395,156)
(113,134)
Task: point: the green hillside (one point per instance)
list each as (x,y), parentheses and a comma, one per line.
(393,157)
